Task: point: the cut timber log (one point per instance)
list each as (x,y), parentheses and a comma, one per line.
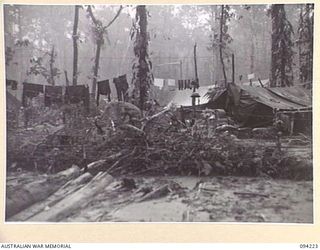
(156,194)
(30,193)
(76,200)
(101,165)
(67,189)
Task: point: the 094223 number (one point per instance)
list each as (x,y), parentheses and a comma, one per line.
(309,246)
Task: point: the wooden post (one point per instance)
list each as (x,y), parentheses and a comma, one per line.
(291,123)
(195,65)
(260,83)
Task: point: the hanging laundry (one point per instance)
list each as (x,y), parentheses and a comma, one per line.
(189,84)
(116,82)
(158,82)
(180,84)
(77,93)
(195,84)
(86,98)
(52,94)
(103,89)
(12,83)
(183,85)
(171,82)
(74,94)
(30,90)
(122,87)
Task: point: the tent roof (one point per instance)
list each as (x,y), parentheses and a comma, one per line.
(280,98)
(265,83)
(183,97)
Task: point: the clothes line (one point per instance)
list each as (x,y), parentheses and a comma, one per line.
(56,94)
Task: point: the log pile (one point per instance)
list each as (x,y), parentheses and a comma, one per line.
(22,193)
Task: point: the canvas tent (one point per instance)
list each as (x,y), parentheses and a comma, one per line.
(257,106)
(215,100)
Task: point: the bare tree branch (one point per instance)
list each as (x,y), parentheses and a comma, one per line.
(94,20)
(115,17)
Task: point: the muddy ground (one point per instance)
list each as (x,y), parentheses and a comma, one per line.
(218,199)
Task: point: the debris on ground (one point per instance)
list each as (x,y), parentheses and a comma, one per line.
(121,142)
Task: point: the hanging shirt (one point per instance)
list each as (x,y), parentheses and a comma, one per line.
(30,90)
(74,94)
(122,87)
(179,84)
(189,84)
(12,83)
(158,82)
(117,84)
(195,83)
(103,89)
(86,98)
(171,84)
(77,93)
(52,94)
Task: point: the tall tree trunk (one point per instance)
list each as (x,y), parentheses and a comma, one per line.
(215,52)
(51,63)
(306,44)
(142,76)
(221,45)
(100,31)
(21,51)
(75,45)
(252,57)
(96,68)
(281,48)
(252,48)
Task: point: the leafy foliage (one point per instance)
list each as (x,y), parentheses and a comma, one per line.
(39,66)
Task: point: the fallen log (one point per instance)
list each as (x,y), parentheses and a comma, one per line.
(75,201)
(67,189)
(147,120)
(97,166)
(156,194)
(121,160)
(30,193)
(249,194)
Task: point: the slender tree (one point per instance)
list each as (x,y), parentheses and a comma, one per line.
(220,38)
(52,68)
(305,44)
(99,31)
(142,75)
(75,38)
(281,48)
